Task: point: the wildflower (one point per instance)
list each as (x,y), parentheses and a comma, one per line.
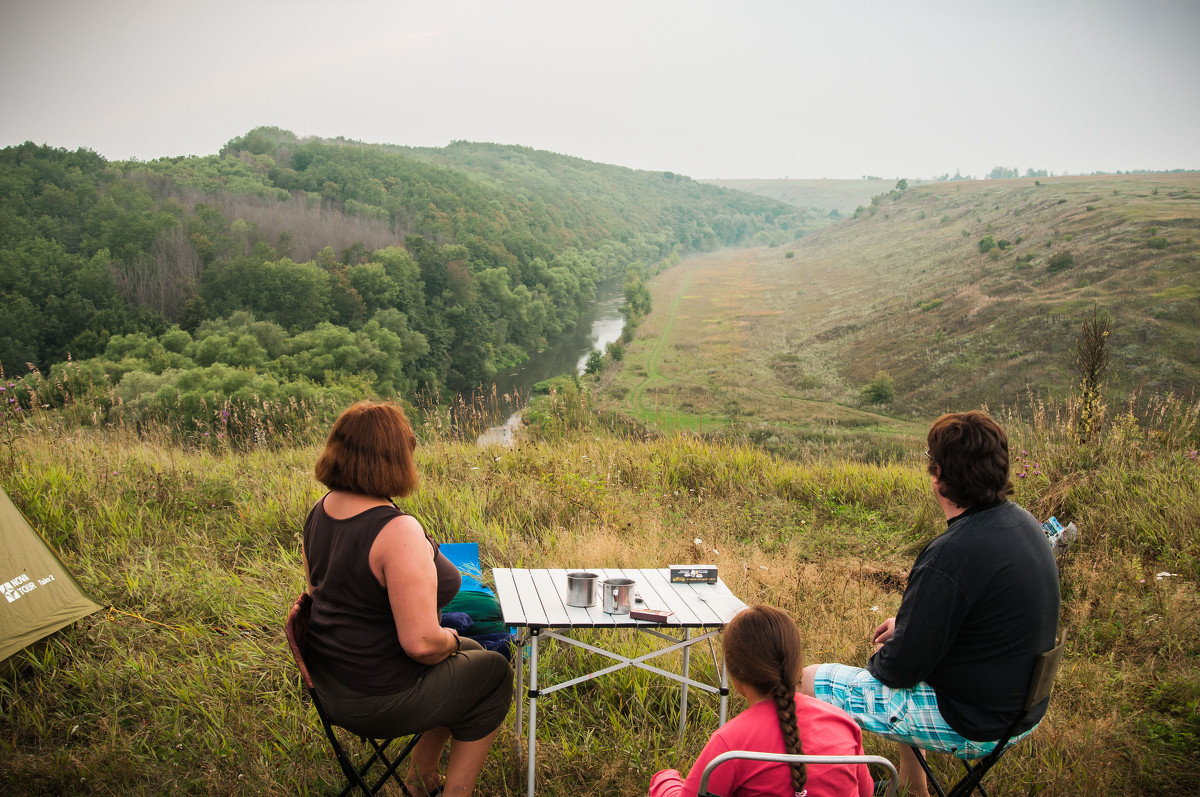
(1164,574)
(475,468)
(1141,581)
(873,609)
(697,541)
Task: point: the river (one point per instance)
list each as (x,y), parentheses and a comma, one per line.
(599,325)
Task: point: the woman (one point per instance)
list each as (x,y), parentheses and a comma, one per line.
(763,652)
(380,661)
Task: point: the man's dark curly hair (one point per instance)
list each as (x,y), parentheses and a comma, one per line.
(968,453)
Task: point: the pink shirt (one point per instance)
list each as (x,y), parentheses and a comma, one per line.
(824,730)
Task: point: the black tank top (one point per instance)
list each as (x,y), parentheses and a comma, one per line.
(352,633)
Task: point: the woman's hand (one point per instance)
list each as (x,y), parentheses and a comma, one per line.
(402,558)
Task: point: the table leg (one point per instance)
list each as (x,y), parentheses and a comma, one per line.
(724,702)
(522,641)
(683,696)
(533,696)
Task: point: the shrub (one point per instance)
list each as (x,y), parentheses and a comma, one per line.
(986,244)
(1060,261)
(1004,244)
(1062,202)
(881,390)
(1157,242)
(789,254)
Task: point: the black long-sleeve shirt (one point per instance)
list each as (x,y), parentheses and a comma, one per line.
(982,602)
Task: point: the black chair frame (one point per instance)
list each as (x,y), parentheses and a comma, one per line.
(356,777)
(1041,684)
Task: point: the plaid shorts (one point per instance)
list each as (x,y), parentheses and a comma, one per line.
(908,716)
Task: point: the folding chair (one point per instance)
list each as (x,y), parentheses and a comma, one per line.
(1041,684)
(297,631)
(784,758)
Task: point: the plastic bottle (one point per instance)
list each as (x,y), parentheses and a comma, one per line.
(1057,534)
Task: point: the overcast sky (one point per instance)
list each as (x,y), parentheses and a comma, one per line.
(742,88)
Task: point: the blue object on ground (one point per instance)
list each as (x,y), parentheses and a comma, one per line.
(459,621)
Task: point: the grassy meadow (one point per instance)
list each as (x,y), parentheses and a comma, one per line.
(186,687)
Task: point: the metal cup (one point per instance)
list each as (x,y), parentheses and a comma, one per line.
(618,595)
(582,588)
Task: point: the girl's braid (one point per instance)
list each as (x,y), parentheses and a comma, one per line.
(785,709)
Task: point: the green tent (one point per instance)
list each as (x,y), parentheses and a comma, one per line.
(38,595)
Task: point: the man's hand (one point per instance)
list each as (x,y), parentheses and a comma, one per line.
(884,632)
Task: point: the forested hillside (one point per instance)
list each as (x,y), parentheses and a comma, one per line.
(842,196)
(311,269)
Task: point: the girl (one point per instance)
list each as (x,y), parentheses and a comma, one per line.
(764,655)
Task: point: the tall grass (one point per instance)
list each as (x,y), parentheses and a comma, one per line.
(186,687)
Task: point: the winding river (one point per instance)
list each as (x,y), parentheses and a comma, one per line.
(599,325)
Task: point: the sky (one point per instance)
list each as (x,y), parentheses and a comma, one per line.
(745,89)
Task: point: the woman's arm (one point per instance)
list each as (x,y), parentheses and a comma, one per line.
(403,558)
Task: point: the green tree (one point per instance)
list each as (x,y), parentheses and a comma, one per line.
(595,362)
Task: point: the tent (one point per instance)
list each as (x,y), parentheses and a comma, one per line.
(38,596)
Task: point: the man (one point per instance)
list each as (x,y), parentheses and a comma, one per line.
(950,671)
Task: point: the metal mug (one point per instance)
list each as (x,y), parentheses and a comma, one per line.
(582,588)
(618,595)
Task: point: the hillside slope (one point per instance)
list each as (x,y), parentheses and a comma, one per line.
(956,326)
(762,339)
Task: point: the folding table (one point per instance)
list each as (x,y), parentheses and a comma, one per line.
(535,602)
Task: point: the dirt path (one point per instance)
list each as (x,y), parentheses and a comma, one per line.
(636,395)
